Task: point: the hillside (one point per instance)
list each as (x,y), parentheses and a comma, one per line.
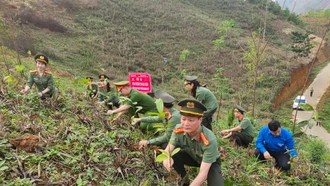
(304,6)
(93,37)
(70,141)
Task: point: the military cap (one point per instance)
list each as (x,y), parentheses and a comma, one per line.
(239,108)
(89,78)
(103,77)
(41,58)
(164,96)
(121,84)
(189,78)
(191,107)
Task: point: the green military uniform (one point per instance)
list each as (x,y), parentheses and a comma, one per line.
(107,93)
(143,100)
(91,88)
(202,147)
(42,82)
(245,136)
(173,118)
(206,97)
(247,127)
(110,98)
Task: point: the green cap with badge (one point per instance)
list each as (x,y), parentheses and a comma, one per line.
(189,78)
(41,58)
(103,77)
(239,108)
(191,107)
(167,98)
(121,84)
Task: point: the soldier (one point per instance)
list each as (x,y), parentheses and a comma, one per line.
(203,95)
(172,119)
(92,88)
(141,99)
(42,78)
(199,147)
(243,133)
(106,93)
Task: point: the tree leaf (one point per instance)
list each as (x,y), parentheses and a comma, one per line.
(160,105)
(161,157)
(175,151)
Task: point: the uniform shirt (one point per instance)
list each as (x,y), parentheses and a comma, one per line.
(247,127)
(143,100)
(173,118)
(206,97)
(43,82)
(92,90)
(276,143)
(107,97)
(203,147)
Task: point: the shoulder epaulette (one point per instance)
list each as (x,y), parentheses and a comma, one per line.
(202,136)
(48,72)
(33,70)
(178,130)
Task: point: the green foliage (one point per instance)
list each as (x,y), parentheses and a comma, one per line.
(3,167)
(160,105)
(301,43)
(219,43)
(223,83)
(227,24)
(20,68)
(166,155)
(318,151)
(184,55)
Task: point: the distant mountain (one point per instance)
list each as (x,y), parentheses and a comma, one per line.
(304,6)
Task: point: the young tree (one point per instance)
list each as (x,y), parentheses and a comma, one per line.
(254,56)
(301,43)
(183,57)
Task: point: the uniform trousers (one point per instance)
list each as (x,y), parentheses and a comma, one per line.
(282,158)
(241,139)
(214,177)
(207,119)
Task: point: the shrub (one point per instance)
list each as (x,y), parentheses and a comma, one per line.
(317,151)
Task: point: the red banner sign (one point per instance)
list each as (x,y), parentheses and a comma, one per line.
(140,82)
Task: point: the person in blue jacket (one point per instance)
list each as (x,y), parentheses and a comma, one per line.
(276,142)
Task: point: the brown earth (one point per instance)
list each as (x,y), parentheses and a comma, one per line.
(298,75)
(26,143)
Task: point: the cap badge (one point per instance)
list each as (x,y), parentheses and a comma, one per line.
(42,57)
(190,105)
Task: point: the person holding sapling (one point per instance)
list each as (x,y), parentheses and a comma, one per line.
(106,94)
(137,99)
(172,118)
(41,78)
(199,147)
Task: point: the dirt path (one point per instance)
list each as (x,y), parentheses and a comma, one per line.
(320,84)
